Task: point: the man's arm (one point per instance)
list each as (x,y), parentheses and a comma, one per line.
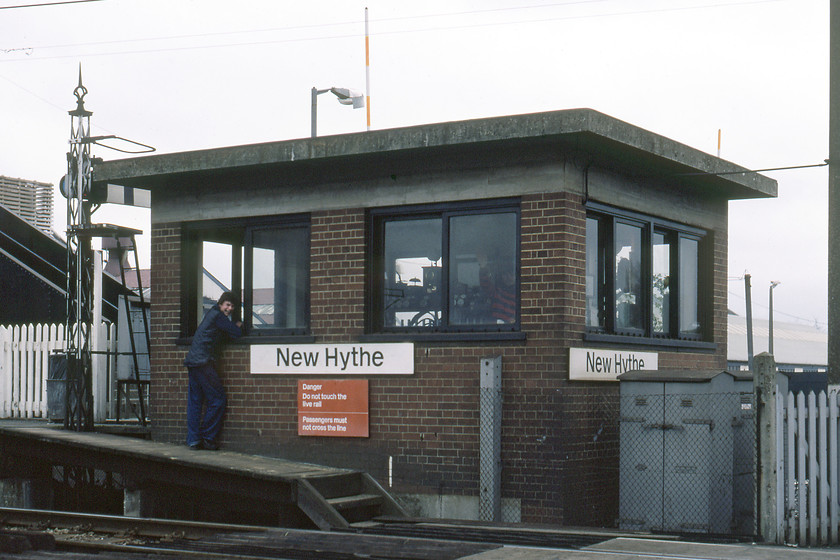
(234,330)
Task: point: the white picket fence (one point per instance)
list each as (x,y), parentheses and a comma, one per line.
(808,477)
(24,368)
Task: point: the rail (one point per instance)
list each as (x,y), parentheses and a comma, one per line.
(101,534)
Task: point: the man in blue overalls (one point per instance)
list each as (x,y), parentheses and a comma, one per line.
(205,389)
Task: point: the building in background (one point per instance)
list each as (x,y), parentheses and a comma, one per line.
(797,348)
(31,200)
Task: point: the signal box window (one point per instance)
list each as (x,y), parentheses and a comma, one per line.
(266,262)
(642,276)
(446,270)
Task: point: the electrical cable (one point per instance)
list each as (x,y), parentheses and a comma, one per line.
(39,5)
(381,33)
(47,101)
(814,321)
(706,173)
(323,25)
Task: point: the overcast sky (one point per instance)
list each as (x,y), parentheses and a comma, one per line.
(193,74)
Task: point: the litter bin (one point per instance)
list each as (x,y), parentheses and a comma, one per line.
(56,386)
(678,458)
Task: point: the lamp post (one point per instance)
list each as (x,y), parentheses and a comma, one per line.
(345,97)
(773,284)
(748,294)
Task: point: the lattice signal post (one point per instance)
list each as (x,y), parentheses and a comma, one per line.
(79,397)
(82,201)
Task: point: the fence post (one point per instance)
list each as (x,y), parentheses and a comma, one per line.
(5,372)
(764,382)
(490,440)
(99,378)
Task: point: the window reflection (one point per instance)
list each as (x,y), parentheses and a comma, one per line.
(216,274)
(593,274)
(455,270)
(628,277)
(661,281)
(482,279)
(413,273)
(279,278)
(642,277)
(689,317)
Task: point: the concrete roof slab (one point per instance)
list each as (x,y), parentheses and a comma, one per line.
(604,139)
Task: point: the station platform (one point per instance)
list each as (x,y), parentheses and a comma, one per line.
(152,479)
(651,549)
(164,480)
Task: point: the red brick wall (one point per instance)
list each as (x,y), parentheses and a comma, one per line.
(560,440)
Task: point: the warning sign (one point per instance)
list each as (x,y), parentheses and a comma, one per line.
(333,408)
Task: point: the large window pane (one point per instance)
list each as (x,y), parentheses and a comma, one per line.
(661,283)
(594,274)
(279,278)
(482,275)
(689,317)
(628,277)
(216,274)
(413,262)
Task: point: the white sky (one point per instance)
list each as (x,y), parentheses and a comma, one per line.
(192,74)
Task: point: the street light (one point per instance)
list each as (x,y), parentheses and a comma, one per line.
(773,284)
(345,97)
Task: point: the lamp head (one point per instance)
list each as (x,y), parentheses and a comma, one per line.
(349,97)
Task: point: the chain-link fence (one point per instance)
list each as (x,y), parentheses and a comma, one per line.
(687,461)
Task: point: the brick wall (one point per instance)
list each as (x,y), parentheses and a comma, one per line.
(560,439)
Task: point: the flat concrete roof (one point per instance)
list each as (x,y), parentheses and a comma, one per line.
(598,138)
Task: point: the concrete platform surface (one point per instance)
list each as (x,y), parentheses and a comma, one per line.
(653,549)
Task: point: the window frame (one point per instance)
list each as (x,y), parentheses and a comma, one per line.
(239,233)
(607,218)
(375,308)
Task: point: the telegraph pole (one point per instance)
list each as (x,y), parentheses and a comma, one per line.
(834,195)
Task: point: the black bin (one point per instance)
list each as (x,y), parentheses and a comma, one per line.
(56,386)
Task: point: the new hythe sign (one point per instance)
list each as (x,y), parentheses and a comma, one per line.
(590,364)
(338,359)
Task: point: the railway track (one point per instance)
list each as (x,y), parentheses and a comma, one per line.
(83,536)
(46,535)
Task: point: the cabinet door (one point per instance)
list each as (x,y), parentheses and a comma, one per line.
(640,506)
(687,476)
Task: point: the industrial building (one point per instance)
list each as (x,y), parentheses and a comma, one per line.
(31,200)
(797,348)
(435,302)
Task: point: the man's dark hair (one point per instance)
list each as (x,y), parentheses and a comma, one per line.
(227,296)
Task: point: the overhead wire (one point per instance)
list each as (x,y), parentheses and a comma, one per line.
(776,311)
(42,4)
(44,100)
(380,33)
(700,173)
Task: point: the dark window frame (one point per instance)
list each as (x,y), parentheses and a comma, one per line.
(607,217)
(238,232)
(375,312)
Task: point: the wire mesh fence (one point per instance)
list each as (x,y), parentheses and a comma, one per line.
(688,462)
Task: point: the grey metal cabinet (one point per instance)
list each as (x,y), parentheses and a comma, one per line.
(679,433)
